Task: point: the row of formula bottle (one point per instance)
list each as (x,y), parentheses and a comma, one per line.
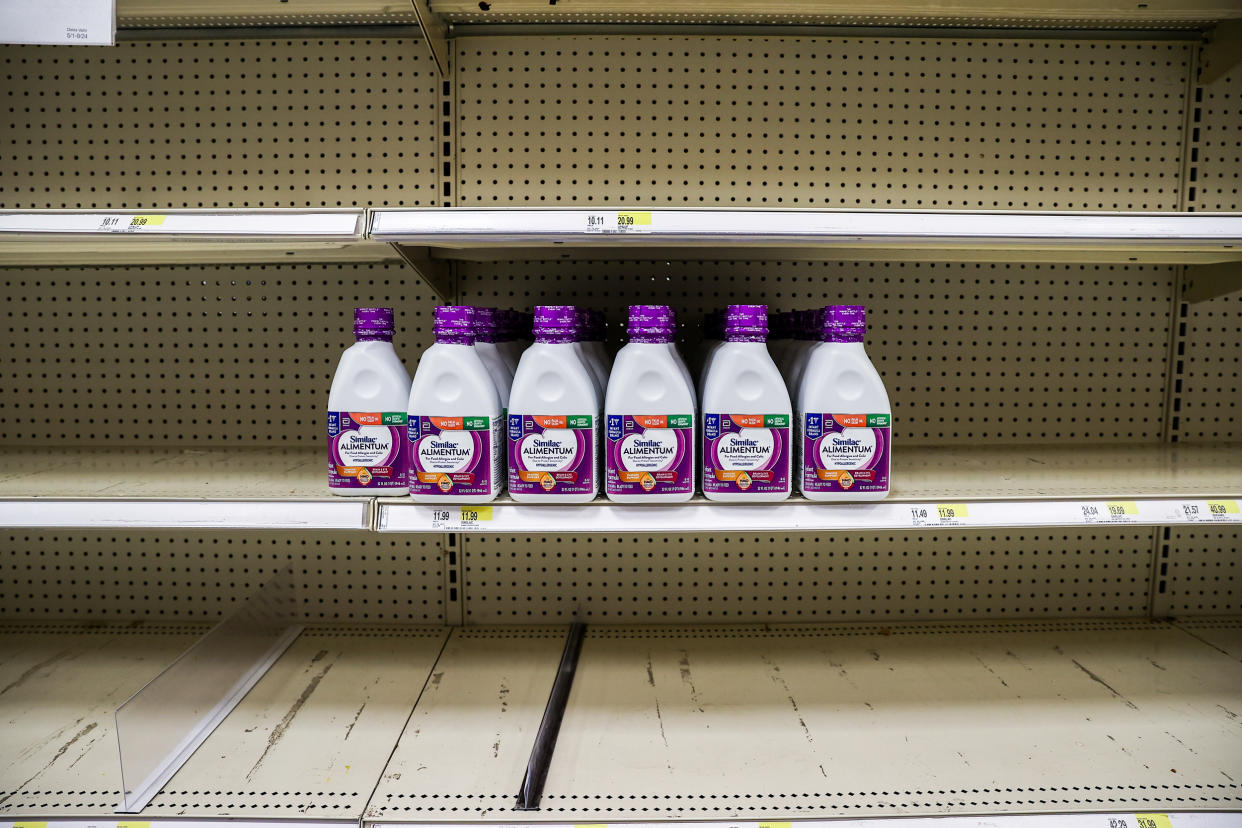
(563,419)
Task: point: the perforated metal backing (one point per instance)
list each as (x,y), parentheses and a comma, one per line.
(339,576)
(719,578)
(219,123)
(999,352)
(1200,574)
(187,355)
(822,122)
(1217,137)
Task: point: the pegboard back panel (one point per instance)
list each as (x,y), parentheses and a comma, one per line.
(1199,572)
(945,123)
(1005,353)
(707,578)
(187,355)
(192,576)
(1216,159)
(325,122)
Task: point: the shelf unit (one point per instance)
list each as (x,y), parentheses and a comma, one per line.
(1039,207)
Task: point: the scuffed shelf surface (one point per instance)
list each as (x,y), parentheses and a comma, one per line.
(751,722)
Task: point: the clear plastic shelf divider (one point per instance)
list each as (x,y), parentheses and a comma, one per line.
(160,726)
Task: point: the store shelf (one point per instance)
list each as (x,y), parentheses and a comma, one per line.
(933,488)
(774,722)
(200,13)
(654,232)
(309,740)
(182,488)
(958,13)
(94,237)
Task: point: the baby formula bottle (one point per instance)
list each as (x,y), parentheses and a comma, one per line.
(554,415)
(846,420)
(649,438)
(456,431)
(746,415)
(366,412)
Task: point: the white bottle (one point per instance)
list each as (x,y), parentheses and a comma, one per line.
(486,334)
(649,437)
(747,455)
(509,342)
(713,338)
(805,339)
(554,416)
(366,412)
(598,373)
(456,431)
(846,420)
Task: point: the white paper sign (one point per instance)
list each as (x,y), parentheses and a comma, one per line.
(58,22)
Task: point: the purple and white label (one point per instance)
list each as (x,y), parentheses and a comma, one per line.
(846,452)
(649,454)
(453,456)
(552,454)
(366,450)
(746,453)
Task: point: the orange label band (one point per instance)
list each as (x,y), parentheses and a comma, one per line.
(349,471)
(747,420)
(851,420)
(549,422)
(446,423)
(651,420)
(367,419)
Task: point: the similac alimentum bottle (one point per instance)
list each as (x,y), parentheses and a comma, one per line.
(806,339)
(649,437)
(845,416)
(598,372)
(713,338)
(366,412)
(554,414)
(747,455)
(456,433)
(486,336)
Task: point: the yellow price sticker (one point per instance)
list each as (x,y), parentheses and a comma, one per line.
(133,825)
(146,221)
(952,511)
(1223,507)
(1153,821)
(776,825)
(632,219)
(29,825)
(476,513)
(1122,508)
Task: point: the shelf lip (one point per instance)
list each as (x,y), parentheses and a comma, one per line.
(611,226)
(154,513)
(164,225)
(800,515)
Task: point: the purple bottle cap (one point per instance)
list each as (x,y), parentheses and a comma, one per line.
(454,324)
(373,324)
(651,323)
(844,323)
(486,325)
(746,323)
(556,324)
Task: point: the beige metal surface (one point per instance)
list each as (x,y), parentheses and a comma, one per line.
(156,13)
(779,722)
(1223,633)
(59,685)
(1067,13)
(314,734)
(969,353)
(178,356)
(1202,573)
(940,123)
(161,575)
(921,472)
(465,749)
(324,122)
(710,578)
(126,252)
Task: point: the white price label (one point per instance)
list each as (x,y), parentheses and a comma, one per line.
(460,518)
(623,221)
(130,224)
(1211,511)
(1113,511)
(941,514)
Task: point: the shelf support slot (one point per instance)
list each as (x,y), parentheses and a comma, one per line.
(437,273)
(159,727)
(545,741)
